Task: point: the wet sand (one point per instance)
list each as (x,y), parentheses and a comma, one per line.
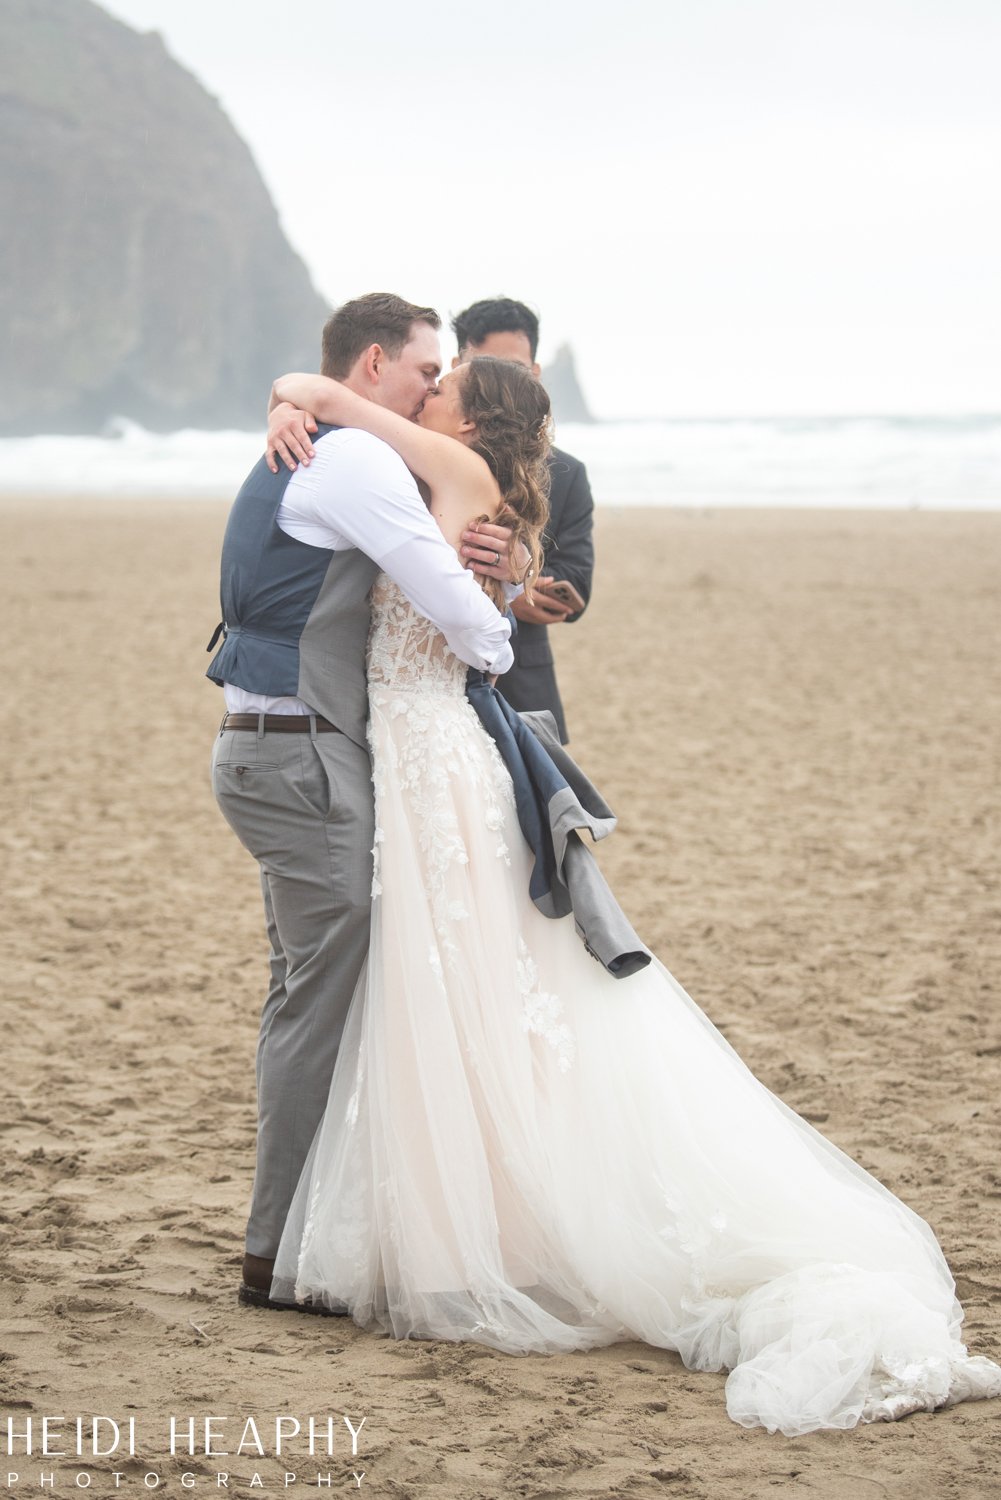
(796,717)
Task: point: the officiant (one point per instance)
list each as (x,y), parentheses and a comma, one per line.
(506,329)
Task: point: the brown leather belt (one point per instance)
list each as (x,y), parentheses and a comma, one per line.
(279,723)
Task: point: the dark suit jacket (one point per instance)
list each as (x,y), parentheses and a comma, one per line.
(569,554)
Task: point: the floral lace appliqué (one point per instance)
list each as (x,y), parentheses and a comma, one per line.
(542,1013)
(405,651)
(419,729)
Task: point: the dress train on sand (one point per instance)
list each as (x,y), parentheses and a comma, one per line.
(520,1150)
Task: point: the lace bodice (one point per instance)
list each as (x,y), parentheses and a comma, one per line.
(405,651)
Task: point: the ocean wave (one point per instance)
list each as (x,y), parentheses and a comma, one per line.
(947,462)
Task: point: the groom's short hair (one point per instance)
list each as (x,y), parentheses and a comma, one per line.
(377,318)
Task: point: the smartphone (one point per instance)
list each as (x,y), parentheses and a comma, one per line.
(565,593)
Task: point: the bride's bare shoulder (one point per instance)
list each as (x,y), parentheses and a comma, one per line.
(472,474)
(473,495)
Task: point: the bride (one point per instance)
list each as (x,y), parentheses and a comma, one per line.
(521,1150)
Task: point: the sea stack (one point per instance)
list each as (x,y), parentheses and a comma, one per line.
(560,380)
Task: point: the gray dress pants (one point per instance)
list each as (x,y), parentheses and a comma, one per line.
(302,805)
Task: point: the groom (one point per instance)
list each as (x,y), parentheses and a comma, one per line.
(290,768)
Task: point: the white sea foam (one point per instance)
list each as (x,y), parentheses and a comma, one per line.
(863,462)
(944,463)
(130,461)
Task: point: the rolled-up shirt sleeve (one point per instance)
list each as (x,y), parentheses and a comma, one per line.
(360,488)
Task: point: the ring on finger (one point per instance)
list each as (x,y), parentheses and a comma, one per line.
(496,559)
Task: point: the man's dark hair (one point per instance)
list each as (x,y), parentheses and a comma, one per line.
(376,318)
(495,315)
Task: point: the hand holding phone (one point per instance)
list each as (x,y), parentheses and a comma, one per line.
(562,591)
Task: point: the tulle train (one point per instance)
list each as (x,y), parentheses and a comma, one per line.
(522,1151)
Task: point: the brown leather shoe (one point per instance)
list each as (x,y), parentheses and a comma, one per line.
(249,1296)
(255,1291)
(257,1272)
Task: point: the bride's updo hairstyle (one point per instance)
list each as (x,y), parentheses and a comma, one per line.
(513,425)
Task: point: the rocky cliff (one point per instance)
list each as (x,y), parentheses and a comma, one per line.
(144,270)
(560,380)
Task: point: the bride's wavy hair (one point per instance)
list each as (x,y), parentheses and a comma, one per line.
(513,434)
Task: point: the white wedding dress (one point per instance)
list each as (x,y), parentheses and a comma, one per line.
(523,1151)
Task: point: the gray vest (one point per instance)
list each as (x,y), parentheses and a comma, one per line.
(295,617)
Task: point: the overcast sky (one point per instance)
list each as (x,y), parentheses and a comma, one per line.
(726,206)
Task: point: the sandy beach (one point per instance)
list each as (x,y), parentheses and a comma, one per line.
(795,716)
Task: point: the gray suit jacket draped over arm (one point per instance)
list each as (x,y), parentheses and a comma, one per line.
(555,801)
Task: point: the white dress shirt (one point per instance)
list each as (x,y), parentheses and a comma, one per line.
(358,492)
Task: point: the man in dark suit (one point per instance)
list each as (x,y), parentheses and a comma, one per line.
(507,329)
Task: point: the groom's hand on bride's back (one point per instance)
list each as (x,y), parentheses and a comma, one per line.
(486,548)
(289,432)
